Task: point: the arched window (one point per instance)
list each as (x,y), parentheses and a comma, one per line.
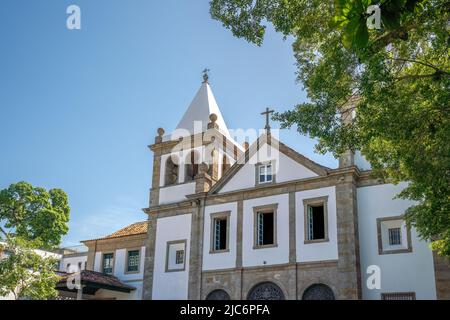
(191,166)
(318,291)
(266,291)
(225,164)
(171,174)
(218,295)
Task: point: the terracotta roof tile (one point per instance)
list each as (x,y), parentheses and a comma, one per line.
(132,229)
(93,277)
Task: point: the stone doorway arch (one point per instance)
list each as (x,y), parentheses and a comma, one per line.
(318,291)
(266,291)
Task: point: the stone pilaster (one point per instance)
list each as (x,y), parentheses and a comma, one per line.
(196,252)
(149,258)
(240,222)
(215,167)
(292,228)
(156,173)
(347,159)
(203,181)
(349,275)
(91,256)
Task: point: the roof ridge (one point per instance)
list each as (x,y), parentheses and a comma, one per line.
(125,231)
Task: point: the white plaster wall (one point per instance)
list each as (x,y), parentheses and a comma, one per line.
(243,179)
(400,272)
(316,251)
(132,279)
(361,162)
(171,285)
(9,296)
(135,294)
(221,260)
(120,261)
(289,170)
(73,263)
(275,255)
(286,170)
(97,261)
(176,193)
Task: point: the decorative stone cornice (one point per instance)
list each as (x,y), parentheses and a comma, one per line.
(213,135)
(334,177)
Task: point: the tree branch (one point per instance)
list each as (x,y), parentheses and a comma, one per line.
(417,76)
(419,62)
(4,232)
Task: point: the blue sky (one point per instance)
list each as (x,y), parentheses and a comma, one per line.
(79,107)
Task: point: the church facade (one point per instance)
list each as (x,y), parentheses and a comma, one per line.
(236,221)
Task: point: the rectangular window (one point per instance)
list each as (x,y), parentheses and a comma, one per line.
(220,225)
(176,255)
(395,236)
(265,228)
(316,219)
(133,261)
(108,262)
(220,233)
(179,258)
(265,173)
(316,222)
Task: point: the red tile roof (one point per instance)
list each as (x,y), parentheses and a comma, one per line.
(96,279)
(132,229)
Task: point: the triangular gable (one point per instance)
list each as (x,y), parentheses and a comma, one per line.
(311,168)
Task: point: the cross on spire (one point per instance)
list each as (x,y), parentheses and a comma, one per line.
(267,113)
(205,75)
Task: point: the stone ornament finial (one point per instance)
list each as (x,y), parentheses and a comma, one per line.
(205,75)
(213,117)
(203,168)
(161,132)
(212,124)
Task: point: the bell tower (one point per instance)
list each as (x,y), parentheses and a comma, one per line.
(193,157)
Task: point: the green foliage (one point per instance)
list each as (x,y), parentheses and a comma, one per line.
(351,17)
(35,214)
(25,273)
(31,218)
(394,81)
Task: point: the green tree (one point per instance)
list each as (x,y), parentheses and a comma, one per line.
(31,218)
(393,81)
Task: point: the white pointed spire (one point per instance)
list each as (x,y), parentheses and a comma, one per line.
(200,109)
